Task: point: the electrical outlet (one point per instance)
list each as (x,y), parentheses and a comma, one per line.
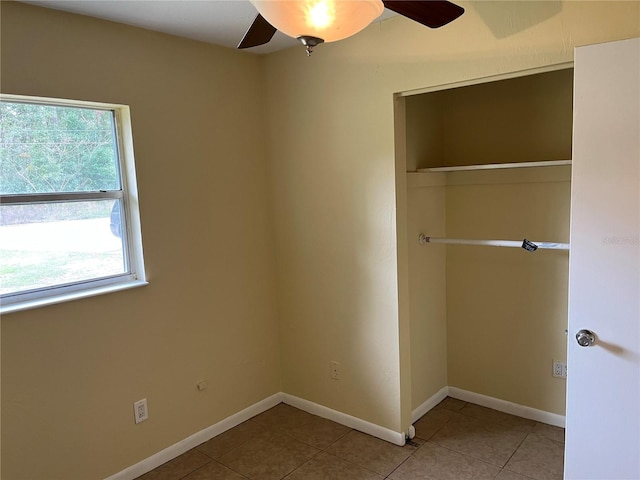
(335,370)
(559,369)
(140,411)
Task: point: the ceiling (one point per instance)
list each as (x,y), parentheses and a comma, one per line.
(221,22)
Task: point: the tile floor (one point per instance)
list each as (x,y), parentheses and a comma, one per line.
(456,440)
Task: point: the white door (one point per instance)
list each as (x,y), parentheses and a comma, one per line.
(603,384)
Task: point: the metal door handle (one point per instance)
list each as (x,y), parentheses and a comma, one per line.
(585,338)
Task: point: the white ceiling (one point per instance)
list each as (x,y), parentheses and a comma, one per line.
(221,22)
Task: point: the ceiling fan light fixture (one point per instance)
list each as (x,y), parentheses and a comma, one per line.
(329,20)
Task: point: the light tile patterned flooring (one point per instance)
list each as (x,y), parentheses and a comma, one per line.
(454,441)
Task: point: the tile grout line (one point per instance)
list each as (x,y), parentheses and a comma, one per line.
(419,447)
(326,450)
(466,455)
(219,463)
(517,448)
(426,440)
(517,473)
(346,460)
(238,473)
(403,462)
(301,465)
(320,450)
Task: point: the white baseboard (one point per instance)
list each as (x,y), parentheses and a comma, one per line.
(383,433)
(378,431)
(429,404)
(507,407)
(196,439)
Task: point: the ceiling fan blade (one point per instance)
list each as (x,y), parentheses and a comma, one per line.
(259,33)
(432,13)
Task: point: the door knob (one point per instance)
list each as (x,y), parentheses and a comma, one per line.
(585,338)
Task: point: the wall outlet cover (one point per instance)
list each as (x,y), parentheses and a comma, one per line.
(559,369)
(140,411)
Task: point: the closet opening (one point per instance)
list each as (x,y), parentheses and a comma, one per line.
(482,162)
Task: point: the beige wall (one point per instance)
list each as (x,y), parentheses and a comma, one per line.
(427,214)
(71,372)
(522,119)
(507,308)
(331,146)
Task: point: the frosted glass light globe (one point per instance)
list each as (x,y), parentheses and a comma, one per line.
(330,20)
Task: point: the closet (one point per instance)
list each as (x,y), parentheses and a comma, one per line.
(489,161)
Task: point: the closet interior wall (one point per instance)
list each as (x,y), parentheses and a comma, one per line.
(490,320)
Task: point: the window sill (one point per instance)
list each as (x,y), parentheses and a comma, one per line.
(67,297)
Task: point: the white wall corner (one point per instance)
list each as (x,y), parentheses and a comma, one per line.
(429,404)
(508,407)
(489,402)
(397,438)
(196,439)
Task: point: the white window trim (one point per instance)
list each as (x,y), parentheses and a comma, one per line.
(133,240)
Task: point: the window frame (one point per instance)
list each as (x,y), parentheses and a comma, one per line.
(131,233)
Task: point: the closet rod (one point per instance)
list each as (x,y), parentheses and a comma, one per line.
(526,244)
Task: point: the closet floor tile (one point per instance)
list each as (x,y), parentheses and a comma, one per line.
(550,432)
(433,421)
(539,458)
(490,442)
(450,403)
(433,462)
(490,415)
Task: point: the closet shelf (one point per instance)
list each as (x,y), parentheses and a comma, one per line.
(497,166)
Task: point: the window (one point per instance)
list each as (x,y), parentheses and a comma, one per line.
(69,222)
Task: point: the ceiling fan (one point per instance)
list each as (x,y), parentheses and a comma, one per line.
(316,21)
